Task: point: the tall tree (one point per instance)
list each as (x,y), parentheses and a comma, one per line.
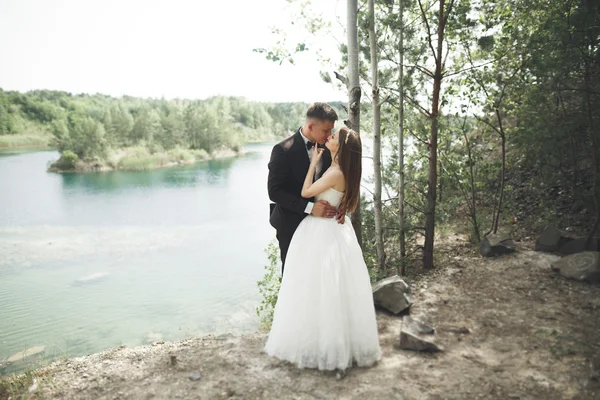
(376,138)
(354,91)
(401,220)
(433,115)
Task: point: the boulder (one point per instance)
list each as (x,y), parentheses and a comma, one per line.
(496,245)
(416,336)
(552,239)
(584,267)
(578,245)
(392,294)
(415,325)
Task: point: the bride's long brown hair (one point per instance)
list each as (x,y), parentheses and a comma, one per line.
(349,158)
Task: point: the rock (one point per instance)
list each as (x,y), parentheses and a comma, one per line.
(496,245)
(414,325)
(552,239)
(583,267)
(33,387)
(392,294)
(578,245)
(595,369)
(411,339)
(195,376)
(21,356)
(462,330)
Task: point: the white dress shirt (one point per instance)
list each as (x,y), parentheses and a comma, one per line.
(310,204)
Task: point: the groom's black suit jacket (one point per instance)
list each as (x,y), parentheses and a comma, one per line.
(287,170)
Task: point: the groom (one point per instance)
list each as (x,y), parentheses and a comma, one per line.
(288,166)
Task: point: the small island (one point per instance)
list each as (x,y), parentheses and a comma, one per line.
(136,159)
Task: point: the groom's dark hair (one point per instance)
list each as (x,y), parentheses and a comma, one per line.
(322,112)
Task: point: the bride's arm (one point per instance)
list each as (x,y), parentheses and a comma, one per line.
(328,180)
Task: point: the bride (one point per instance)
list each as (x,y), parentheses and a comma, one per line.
(325,317)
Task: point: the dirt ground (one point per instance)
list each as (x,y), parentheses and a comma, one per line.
(510,328)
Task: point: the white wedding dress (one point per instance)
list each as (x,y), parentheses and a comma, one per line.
(325,317)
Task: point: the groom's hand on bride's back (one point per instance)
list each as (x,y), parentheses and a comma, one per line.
(341,216)
(323,209)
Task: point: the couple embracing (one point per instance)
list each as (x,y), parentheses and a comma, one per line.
(324,317)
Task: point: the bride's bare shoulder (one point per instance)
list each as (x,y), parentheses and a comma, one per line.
(334,171)
(337,177)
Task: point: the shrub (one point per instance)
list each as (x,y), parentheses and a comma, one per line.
(67,160)
(268,288)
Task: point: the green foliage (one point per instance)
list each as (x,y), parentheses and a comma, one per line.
(67,160)
(87,138)
(93,127)
(268,287)
(19,140)
(16,387)
(140,158)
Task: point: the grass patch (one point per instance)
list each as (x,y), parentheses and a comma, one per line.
(17,386)
(139,158)
(22,140)
(183,155)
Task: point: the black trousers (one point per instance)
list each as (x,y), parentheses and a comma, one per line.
(284,245)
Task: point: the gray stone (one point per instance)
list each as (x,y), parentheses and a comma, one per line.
(579,245)
(392,294)
(496,245)
(414,325)
(412,339)
(195,376)
(552,239)
(583,267)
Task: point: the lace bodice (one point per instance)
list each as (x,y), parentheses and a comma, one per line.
(332,196)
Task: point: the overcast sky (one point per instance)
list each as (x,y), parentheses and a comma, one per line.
(175,48)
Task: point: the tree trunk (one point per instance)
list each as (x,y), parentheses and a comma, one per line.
(441,182)
(401,221)
(473,197)
(433,140)
(502,172)
(354,92)
(431,192)
(594,149)
(376,140)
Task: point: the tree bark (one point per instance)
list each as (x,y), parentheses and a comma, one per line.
(433,138)
(473,197)
(502,172)
(594,149)
(354,92)
(376,140)
(401,220)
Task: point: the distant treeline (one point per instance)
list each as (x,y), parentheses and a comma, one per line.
(92,125)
